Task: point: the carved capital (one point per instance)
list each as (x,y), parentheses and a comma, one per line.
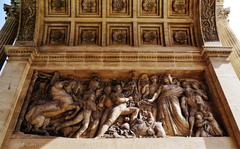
(223,13)
(12,10)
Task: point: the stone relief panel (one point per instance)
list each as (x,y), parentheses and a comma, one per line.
(88,8)
(180,8)
(181,35)
(57,34)
(58,8)
(150,8)
(134,105)
(119,8)
(88,34)
(119,34)
(150,34)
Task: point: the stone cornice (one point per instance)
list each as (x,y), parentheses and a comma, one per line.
(223,52)
(112,55)
(107,55)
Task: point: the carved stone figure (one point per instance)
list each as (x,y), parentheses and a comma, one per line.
(212,126)
(191,104)
(148,127)
(39,115)
(120,108)
(169,111)
(143,85)
(206,125)
(104,106)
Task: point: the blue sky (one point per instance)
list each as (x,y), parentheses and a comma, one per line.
(2,13)
(234,15)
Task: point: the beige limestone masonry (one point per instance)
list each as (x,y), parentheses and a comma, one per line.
(11,84)
(210,63)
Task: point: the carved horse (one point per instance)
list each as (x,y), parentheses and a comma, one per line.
(39,116)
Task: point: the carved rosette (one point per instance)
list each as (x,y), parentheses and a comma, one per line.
(180,37)
(57,37)
(150,37)
(89,37)
(89,6)
(179,6)
(149,6)
(119,36)
(118,5)
(58,5)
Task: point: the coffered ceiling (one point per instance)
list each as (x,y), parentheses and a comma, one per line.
(119,23)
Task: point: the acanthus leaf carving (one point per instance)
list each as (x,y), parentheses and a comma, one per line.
(208,21)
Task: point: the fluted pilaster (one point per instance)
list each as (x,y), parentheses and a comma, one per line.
(228,38)
(8,32)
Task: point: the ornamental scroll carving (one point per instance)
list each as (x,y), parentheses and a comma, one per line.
(140,105)
(208,21)
(28,17)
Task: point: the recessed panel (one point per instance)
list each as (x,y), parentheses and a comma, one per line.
(56,34)
(150,34)
(119,8)
(119,34)
(180,8)
(88,34)
(58,8)
(150,8)
(181,35)
(88,8)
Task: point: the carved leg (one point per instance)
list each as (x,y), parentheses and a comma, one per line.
(191,123)
(76,120)
(104,117)
(131,110)
(76,108)
(94,128)
(198,133)
(115,113)
(86,121)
